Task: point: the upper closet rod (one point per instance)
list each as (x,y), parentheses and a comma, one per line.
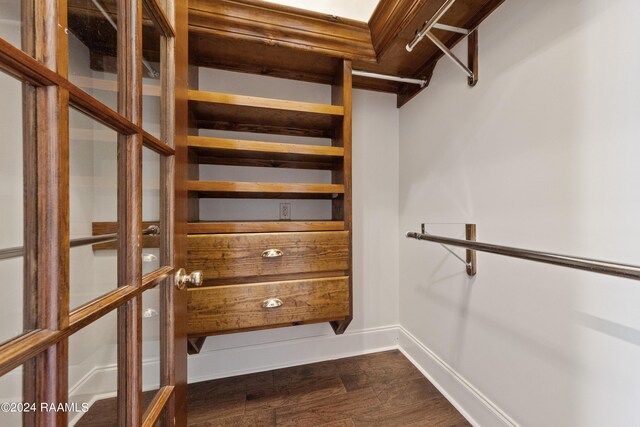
(628,271)
(152,230)
(420,82)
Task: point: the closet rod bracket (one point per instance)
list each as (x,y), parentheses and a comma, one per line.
(470,235)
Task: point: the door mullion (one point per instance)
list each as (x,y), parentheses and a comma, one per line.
(47,256)
(130,213)
(129,274)
(46,259)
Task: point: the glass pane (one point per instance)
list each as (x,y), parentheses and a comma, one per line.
(150,208)
(11,21)
(93,197)
(11,200)
(151,69)
(11,393)
(93,373)
(151,318)
(93,48)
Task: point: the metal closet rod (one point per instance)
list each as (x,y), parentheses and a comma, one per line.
(628,271)
(17,252)
(420,82)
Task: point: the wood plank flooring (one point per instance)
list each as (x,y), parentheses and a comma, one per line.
(380,389)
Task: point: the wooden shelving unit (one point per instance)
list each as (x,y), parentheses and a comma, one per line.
(289,260)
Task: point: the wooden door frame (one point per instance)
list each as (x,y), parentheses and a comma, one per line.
(48,321)
(180,206)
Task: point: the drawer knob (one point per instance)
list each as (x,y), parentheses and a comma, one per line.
(272,303)
(272,253)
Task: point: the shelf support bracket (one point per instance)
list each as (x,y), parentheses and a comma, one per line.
(194,345)
(471,68)
(470,262)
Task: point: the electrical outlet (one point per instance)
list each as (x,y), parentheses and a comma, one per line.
(285,211)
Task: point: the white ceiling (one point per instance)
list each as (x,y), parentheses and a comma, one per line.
(360,10)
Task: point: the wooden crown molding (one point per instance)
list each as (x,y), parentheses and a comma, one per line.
(277,25)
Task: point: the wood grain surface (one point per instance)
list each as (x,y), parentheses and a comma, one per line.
(379,389)
(263,115)
(221,256)
(222,227)
(302,30)
(229,308)
(265,190)
(235,152)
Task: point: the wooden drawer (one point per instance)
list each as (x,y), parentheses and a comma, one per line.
(225,256)
(217,309)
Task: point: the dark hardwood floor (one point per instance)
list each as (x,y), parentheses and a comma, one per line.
(380,389)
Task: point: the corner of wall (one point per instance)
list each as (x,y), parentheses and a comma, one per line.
(471,403)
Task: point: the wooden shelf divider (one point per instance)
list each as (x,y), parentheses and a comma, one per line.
(242,113)
(223,227)
(266,103)
(236,152)
(264,190)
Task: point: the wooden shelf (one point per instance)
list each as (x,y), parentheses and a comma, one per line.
(263,115)
(264,190)
(221,227)
(235,152)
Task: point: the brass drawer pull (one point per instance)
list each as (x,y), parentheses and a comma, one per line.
(272,253)
(272,303)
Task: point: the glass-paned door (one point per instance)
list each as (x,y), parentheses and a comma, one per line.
(89,225)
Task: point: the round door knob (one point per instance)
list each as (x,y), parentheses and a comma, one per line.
(182,278)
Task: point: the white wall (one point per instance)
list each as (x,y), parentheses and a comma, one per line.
(354,9)
(541,154)
(375,183)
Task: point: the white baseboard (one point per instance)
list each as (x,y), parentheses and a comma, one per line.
(228,362)
(471,403)
(246,359)
(102,382)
